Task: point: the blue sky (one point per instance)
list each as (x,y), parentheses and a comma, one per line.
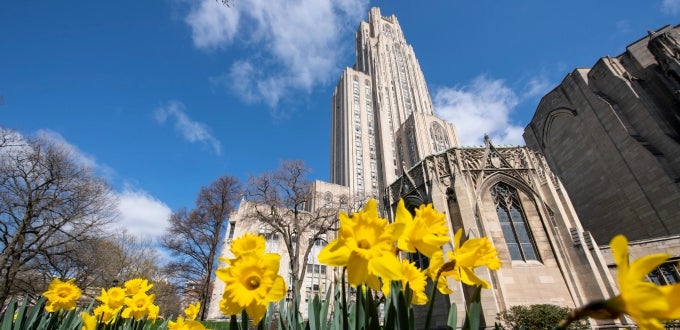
(163,96)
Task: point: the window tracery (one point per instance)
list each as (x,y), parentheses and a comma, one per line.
(514,224)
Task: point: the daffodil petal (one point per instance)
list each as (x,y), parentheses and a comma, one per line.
(256,312)
(373,282)
(469,277)
(402,219)
(272,261)
(334,254)
(644,265)
(371,208)
(386,266)
(619,246)
(357,270)
(278,290)
(645,298)
(456,238)
(672,293)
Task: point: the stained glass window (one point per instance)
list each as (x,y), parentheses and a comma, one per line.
(514,225)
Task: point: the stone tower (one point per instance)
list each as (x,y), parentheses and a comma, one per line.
(382,116)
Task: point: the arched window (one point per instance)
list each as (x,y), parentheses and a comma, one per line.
(328,199)
(440,140)
(513,223)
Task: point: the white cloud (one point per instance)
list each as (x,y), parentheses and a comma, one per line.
(142,214)
(213,25)
(482,107)
(537,86)
(80,157)
(670,6)
(294,44)
(190,130)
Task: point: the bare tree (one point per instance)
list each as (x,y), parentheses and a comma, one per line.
(284,201)
(49,204)
(108,261)
(194,237)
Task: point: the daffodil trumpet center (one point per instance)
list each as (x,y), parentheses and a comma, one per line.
(364,244)
(253,282)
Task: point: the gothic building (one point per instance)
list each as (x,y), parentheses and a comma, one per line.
(610,123)
(382,117)
(386,142)
(509,195)
(612,135)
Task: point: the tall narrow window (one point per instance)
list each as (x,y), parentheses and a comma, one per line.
(232,226)
(513,223)
(440,141)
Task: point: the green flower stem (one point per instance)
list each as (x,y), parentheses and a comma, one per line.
(345,323)
(430,305)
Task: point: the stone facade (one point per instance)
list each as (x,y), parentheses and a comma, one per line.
(318,278)
(382,117)
(612,135)
(559,262)
(607,135)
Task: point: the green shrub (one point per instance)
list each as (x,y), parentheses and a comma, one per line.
(536,317)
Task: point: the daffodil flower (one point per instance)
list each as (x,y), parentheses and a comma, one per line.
(464,258)
(113,297)
(191,312)
(251,283)
(416,280)
(185,324)
(647,303)
(136,285)
(426,232)
(89,321)
(106,314)
(61,295)
(138,306)
(365,246)
(248,243)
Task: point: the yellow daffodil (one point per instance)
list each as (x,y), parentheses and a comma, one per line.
(464,258)
(436,265)
(427,232)
(183,324)
(138,306)
(136,285)
(416,280)
(106,314)
(365,246)
(248,243)
(113,297)
(251,283)
(61,295)
(89,321)
(153,312)
(647,303)
(191,312)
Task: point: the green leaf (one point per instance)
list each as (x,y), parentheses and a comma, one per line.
(390,319)
(375,314)
(233,323)
(244,320)
(324,310)
(474,310)
(453,318)
(313,313)
(403,313)
(8,318)
(360,310)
